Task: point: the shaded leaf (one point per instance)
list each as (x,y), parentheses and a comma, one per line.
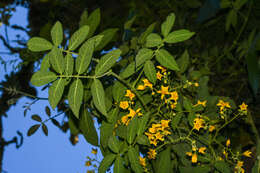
(45,129)
(164,161)
(107,61)
(55,92)
(183,61)
(106,130)
(166,59)
(33,129)
(93,21)
(222,166)
(118,91)
(150,71)
(106,163)
(78,37)
(47,111)
(98,95)
(119,165)
(36,118)
(132,130)
(142,123)
(57,33)
(87,127)
(113,144)
(179,36)
(108,35)
(134,160)
(129,70)
(37,44)
(43,77)
(144,35)
(75,96)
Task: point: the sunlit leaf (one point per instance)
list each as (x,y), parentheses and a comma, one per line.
(107,61)
(179,36)
(150,71)
(78,37)
(37,44)
(55,92)
(166,59)
(43,77)
(75,96)
(57,60)
(143,55)
(168,24)
(106,163)
(144,35)
(153,40)
(69,64)
(98,94)
(57,33)
(119,165)
(108,35)
(113,144)
(134,160)
(93,21)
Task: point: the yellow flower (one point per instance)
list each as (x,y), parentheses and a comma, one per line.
(174,96)
(159,136)
(142,161)
(225,153)
(228,143)
(203,103)
(147,83)
(152,129)
(151,154)
(163,91)
(173,105)
(94,151)
(125,120)
(166,132)
(140,87)
(247,153)
(189,153)
(196,84)
(161,68)
(243,107)
(211,128)
(124,104)
(159,75)
(198,123)
(131,113)
(223,105)
(88,163)
(194,158)
(165,123)
(202,150)
(154,142)
(130,94)
(238,168)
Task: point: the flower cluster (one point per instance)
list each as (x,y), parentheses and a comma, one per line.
(194,153)
(222,106)
(158,131)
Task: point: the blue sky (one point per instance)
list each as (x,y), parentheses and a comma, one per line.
(38,153)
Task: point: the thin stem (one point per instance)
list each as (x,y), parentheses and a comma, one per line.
(54,116)
(13,90)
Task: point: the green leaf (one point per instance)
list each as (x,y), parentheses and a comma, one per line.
(239,3)
(166,59)
(98,94)
(198,169)
(87,127)
(33,129)
(132,130)
(55,92)
(150,71)
(73,124)
(176,120)
(113,144)
(144,35)
(36,118)
(164,161)
(143,55)
(69,64)
(93,21)
(134,160)
(153,40)
(222,166)
(142,123)
(231,20)
(85,55)
(78,37)
(45,64)
(168,24)
(108,35)
(179,36)
(106,130)
(83,18)
(106,163)
(37,44)
(107,61)
(183,61)
(118,91)
(119,165)
(57,60)
(57,33)
(75,96)
(45,129)
(47,111)
(96,39)
(143,140)
(129,70)
(42,77)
